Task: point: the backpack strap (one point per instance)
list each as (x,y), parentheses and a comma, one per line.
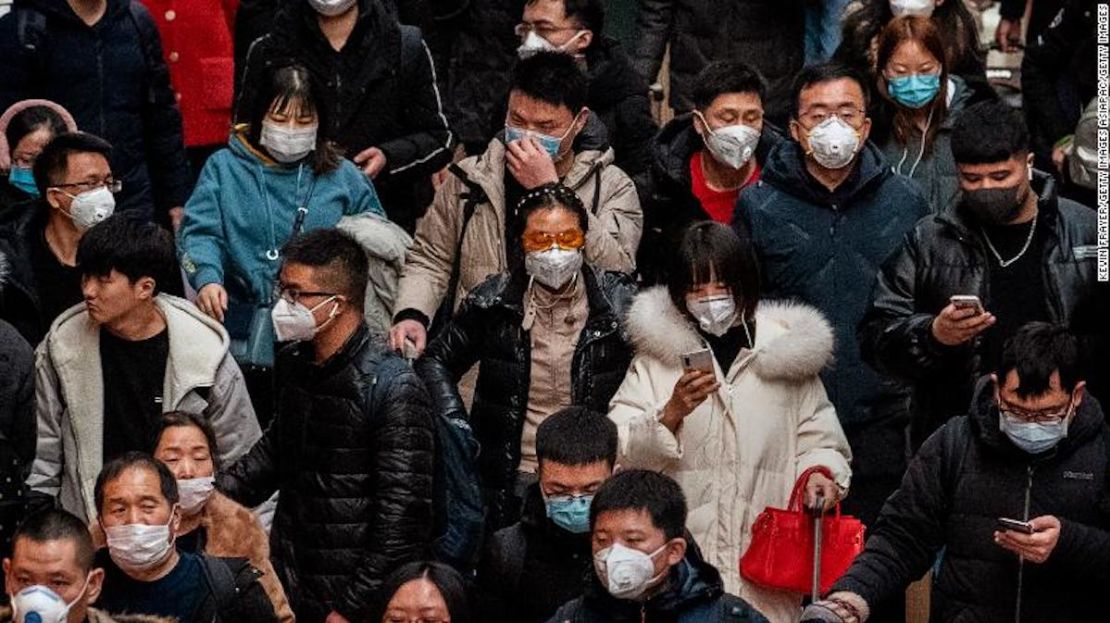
(148,38)
(955,444)
(30,31)
(472,197)
(516,550)
(597,191)
(226,579)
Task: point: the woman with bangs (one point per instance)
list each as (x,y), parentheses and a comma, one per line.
(920,100)
(723,395)
(277,174)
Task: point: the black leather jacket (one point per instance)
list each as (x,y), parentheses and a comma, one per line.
(944,255)
(487,330)
(351,451)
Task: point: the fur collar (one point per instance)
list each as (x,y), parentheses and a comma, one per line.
(793,341)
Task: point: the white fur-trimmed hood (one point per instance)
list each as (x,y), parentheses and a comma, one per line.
(793,341)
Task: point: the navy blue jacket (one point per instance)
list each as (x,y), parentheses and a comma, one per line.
(113,80)
(825,250)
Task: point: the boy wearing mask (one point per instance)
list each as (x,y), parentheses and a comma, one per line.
(537,564)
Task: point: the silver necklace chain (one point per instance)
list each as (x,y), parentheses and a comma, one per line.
(1028,241)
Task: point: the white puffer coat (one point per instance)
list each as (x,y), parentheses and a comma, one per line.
(743,448)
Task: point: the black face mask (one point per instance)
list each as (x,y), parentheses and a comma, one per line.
(995,206)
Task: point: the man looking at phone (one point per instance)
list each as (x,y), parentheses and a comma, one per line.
(1010,242)
(1031,454)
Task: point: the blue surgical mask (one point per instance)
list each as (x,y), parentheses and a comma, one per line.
(548,143)
(571,513)
(1033,437)
(24,180)
(914,91)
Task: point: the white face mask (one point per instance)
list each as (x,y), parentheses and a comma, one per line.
(91,207)
(194,493)
(627,573)
(833,143)
(553,267)
(732,145)
(287,145)
(715,314)
(39,604)
(534,43)
(294,322)
(923,8)
(331,8)
(138,547)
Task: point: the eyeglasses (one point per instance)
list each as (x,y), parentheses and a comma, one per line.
(848,114)
(113,186)
(521,30)
(541,241)
(1045,416)
(294,296)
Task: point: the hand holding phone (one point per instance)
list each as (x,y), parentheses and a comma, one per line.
(698,360)
(966,301)
(1024,527)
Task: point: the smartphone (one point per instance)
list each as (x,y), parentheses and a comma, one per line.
(1004,523)
(698,360)
(966,301)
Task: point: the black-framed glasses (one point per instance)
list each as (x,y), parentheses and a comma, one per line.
(1043,416)
(293,295)
(113,186)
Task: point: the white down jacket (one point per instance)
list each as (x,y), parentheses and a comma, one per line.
(744,447)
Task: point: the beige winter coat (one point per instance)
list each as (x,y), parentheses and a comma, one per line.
(614,230)
(743,448)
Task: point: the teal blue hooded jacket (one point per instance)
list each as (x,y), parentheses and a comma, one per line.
(243,209)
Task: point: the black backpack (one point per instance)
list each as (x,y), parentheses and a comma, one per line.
(227,579)
(457,506)
(31,33)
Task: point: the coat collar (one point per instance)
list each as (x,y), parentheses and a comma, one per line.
(793,341)
(785,170)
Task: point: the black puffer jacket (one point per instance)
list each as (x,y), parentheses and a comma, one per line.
(966,476)
(670,204)
(532,567)
(113,79)
(350,450)
(945,255)
(695,595)
(487,329)
(381,92)
(768,34)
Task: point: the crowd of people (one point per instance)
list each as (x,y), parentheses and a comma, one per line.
(350,311)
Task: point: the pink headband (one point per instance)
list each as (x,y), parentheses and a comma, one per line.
(15,109)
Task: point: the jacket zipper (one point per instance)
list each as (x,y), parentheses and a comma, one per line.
(1021,561)
(643,613)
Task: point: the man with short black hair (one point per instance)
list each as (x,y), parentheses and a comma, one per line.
(466,236)
(356,492)
(76,190)
(618,94)
(825,214)
(109,369)
(645,567)
(701,161)
(51,570)
(1020,252)
(1013,498)
(144,573)
(534,566)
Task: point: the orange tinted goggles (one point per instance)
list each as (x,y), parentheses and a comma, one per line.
(542,241)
